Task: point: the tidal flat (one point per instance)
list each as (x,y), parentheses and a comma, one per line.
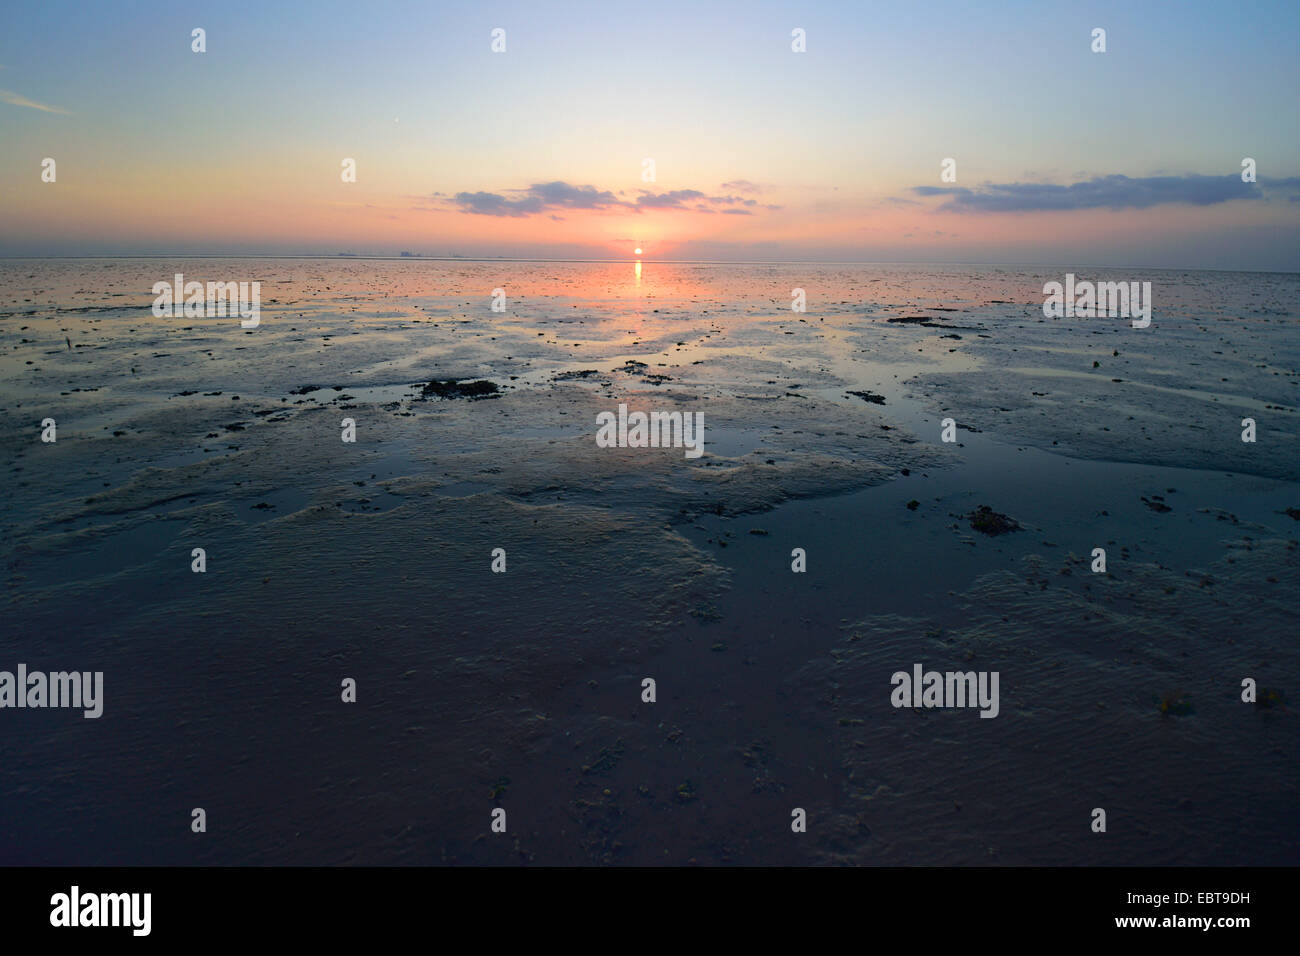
(475,430)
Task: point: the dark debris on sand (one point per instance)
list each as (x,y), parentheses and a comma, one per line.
(452,388)
(930,322)
(987,521)
(870,397)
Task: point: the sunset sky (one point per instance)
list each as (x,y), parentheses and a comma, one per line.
(1064,156)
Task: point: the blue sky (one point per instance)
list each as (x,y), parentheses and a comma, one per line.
(238,149)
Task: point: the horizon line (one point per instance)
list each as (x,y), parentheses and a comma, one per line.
(635,259)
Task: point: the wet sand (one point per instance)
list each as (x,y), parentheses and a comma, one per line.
(523,690)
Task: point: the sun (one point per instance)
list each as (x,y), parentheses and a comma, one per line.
(638,251)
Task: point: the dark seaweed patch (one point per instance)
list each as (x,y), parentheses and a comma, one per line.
(987,521)
(452,388)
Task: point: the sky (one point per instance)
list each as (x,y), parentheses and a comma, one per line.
(1062,155)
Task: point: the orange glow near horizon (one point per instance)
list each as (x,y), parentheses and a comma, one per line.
(157,215)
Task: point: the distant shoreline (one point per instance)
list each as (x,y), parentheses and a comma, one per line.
(644,259)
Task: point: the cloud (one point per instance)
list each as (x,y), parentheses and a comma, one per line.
(680,198)
(1289,185)
(1103,192)
(743,186)
(14,99)
(546,198)
(537,198)
(573,197)
(675,199)
(492,204)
